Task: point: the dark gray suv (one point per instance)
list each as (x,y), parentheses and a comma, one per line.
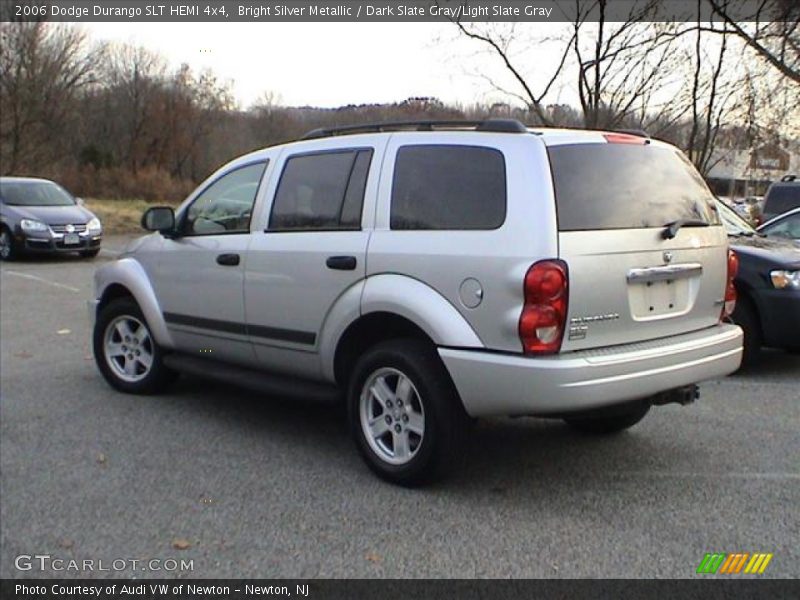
(782,196)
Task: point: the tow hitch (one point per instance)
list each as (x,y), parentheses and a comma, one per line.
(682,395)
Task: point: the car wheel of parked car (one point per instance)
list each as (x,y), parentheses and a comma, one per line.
(8,249)
(746,317)
(90,253)
(610,423)
(126,351)
(405,414)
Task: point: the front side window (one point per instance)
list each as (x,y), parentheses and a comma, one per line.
(322,191)
(226,205)
(448,187)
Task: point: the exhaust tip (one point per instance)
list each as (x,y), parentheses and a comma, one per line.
(682,395)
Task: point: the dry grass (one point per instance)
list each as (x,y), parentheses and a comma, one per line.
(120,216)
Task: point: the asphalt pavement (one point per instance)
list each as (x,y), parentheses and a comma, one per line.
(240,484)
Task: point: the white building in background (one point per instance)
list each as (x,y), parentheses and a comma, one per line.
(737,173)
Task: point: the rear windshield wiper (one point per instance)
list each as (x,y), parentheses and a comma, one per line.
(671,229)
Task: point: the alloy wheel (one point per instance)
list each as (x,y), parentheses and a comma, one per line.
(128,348)
(392,416)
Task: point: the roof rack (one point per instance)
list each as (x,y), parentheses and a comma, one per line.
(487,125)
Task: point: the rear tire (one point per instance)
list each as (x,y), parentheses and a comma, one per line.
(8,247)
(615,423)
(746,317)
(405,415)
(126,352)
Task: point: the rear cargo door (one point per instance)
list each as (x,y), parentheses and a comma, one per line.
(641,237)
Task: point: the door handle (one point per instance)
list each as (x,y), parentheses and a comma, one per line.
(341,263)
(228,260)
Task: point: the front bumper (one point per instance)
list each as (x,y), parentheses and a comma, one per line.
(491,383)
(91,306)
(55,243)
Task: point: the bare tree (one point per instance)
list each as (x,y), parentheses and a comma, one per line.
(615,67)
(770,27)
(134,77)
(43,69)
(500,42)
(710,97)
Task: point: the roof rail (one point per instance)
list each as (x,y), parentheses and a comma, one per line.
(789,178)
(487,125)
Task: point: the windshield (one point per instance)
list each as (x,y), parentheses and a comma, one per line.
(34,193)
(626,186)
(733,223)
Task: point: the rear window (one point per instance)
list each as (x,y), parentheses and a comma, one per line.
(782,198)
(625,186)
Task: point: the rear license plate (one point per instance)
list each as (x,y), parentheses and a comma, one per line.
(71,239)
(659,298)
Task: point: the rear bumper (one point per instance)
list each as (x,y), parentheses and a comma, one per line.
(504,384)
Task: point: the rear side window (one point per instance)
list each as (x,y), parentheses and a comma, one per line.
(321,191)
(626,186)
(782,198)
(448,187)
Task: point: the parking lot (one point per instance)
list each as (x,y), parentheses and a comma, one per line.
(242,484)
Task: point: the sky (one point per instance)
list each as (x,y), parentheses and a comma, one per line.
(323,64)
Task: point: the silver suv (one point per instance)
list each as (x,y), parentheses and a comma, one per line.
(432,272)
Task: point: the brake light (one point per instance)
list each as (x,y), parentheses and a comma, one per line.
(625,138)
(730,289)
(544,314)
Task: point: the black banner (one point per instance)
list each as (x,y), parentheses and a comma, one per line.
(393,10)
(397,589)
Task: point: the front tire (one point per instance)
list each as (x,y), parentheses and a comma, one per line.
(612,423)
(405,415)
(126,352)
(8,247)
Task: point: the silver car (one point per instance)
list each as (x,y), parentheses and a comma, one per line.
(433,272)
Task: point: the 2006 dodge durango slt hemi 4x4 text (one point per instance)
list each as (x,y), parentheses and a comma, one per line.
(432,272)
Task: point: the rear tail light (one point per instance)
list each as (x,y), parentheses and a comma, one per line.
(544,314)
(730,289)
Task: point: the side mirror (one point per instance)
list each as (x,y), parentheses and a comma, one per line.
(159,218)
(80,202)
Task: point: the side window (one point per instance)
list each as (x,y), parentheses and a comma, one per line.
(321,191)
(789,227)
(448,187)
(227,204)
